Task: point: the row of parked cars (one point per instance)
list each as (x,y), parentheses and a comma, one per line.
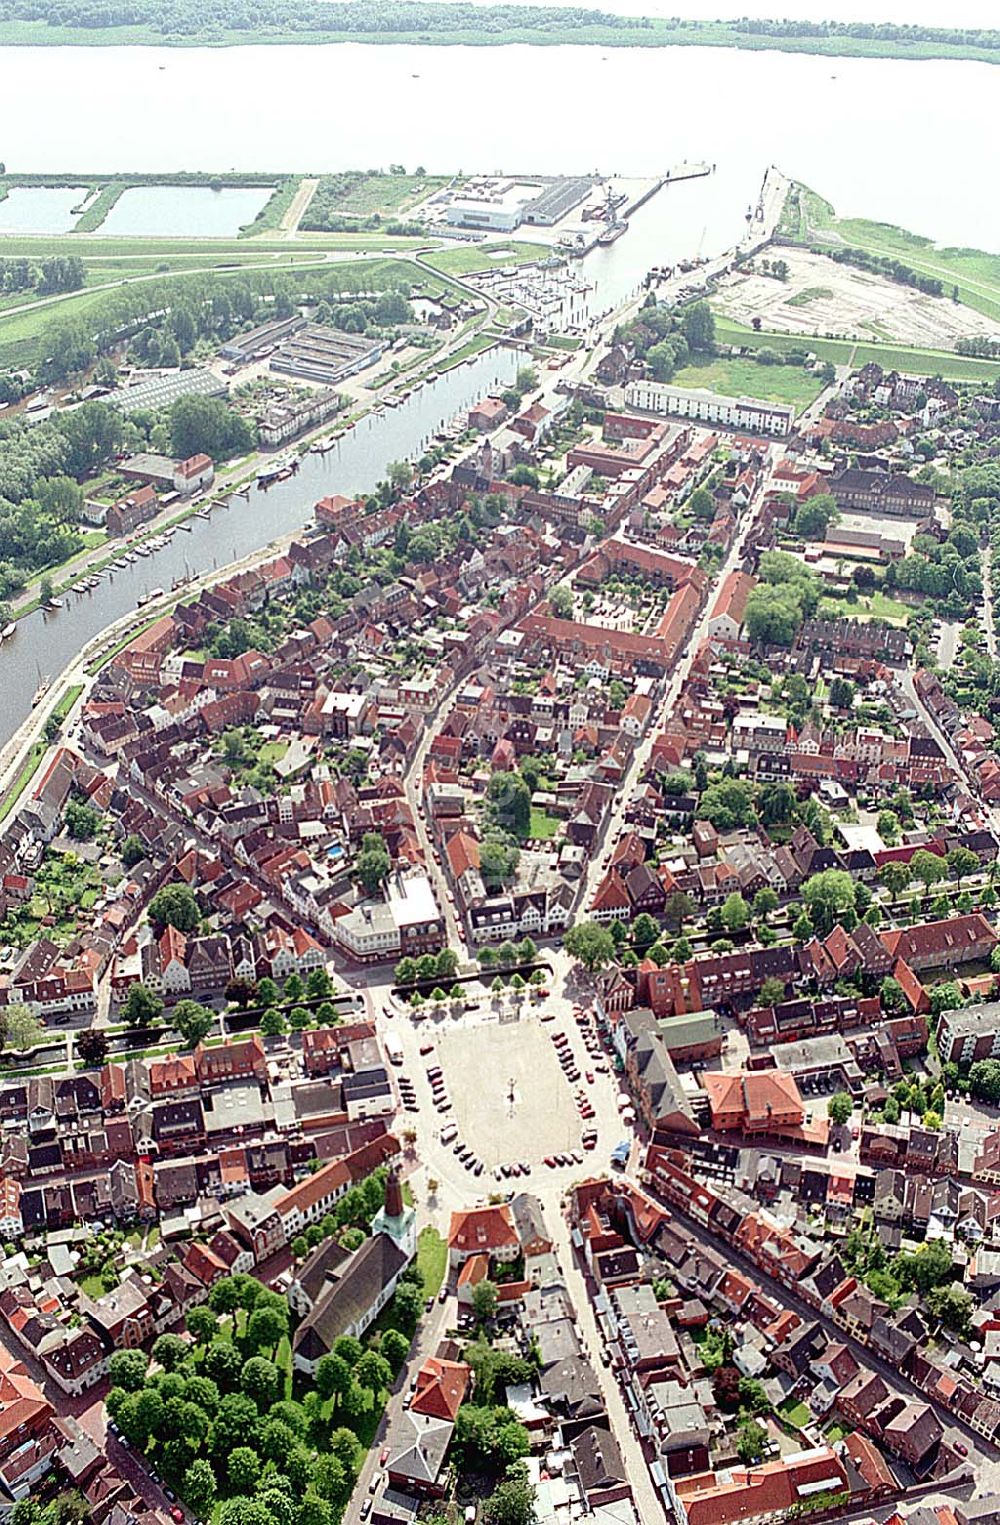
(439,1095)
(587,1024)
(407,1094)
(564,1054)
(468,1158)
(176,1512)
(513,1168)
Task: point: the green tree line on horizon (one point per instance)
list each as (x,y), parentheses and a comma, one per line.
(182,18)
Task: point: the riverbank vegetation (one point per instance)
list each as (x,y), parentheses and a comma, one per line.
(231,23)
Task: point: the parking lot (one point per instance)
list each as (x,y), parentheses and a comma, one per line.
(511,1100)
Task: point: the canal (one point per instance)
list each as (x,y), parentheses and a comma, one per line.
(46,643)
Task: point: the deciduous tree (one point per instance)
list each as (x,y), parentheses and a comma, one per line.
(484,1301)
(839,1107)
(199,1488)
(175,906)
(193,1021)
(243,1469)
(142,1006)
(591,943)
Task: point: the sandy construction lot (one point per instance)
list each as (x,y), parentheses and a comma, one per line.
(479,1065)
(824,299)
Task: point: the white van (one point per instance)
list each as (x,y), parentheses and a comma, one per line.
(449,1133)
(393,1048)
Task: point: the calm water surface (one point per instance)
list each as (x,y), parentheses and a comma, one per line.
(192,211)
(40,209)
(46,643)
(858,130)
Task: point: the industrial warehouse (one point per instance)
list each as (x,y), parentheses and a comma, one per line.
(306,350)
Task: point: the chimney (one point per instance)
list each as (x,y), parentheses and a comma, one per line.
(393,1194)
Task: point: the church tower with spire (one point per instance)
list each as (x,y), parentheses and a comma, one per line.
(395,1219)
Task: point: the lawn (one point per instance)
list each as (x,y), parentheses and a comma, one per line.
(23,779)
(881,607)
(66,703)
(149,254)
(467,260)
(810,294)
(542,824)
(472,347)
(877,606)
(736,376)
(795,1413)
(93,1285)
(928,362)
(432,1260)
(272,752)
(283,1361)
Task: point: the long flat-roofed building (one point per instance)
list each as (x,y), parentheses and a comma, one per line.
(748,413)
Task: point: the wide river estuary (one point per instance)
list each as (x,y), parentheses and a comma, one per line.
(907,143)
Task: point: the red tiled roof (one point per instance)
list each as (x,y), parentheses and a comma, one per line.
(768,1491)
(733,595)
(441,1388)
(482,1229)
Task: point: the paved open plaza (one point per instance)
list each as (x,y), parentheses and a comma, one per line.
(511,1100)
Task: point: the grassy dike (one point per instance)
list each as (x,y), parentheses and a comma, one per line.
(926,362)
(972,274)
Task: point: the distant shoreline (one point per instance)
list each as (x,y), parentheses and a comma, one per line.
(545,31)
